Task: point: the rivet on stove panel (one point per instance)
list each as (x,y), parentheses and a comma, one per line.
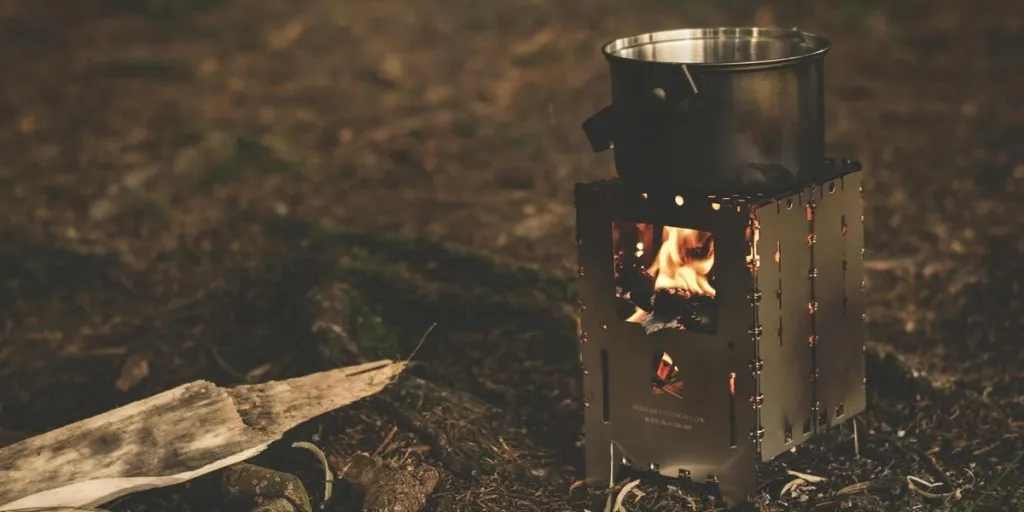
(604,325)
(812,340)
(579,241)
(582,305)
(864,317)
(680,200)
(812,239)
(756,366)
(812,273)
(863,285)
(756,332)
(583,337)
(864,349)
(586,403)
(754,297)
(812,307)
(579,271)
(861,253)
(757,434)
(584,368)
(815,375)
(757,401)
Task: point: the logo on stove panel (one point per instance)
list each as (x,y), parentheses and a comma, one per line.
(666,377)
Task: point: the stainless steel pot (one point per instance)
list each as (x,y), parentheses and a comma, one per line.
(729,110)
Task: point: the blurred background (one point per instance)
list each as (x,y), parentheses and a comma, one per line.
(127,123)
(144,143)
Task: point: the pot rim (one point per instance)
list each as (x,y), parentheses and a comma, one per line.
(817,46)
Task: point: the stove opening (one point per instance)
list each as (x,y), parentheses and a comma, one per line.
(664,277)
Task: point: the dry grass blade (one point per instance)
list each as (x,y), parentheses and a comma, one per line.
(328,475)
(792,486)
(853,489)
(576,485)
(622,495)
(913,482)
(810,478)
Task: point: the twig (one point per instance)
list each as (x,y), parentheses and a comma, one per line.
(422,339)
(387,439)
(328,474)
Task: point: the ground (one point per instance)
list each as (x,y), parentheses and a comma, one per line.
(176,176)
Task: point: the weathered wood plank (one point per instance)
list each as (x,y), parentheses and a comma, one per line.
(172,437)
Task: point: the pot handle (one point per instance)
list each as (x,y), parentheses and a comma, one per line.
(676,93)
(598,129)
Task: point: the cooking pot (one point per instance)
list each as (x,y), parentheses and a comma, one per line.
(723,110)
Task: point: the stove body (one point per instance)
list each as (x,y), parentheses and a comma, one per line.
(718,331)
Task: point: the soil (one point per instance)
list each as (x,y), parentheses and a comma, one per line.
(178,176)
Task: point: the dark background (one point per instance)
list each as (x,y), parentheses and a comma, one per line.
(145,146)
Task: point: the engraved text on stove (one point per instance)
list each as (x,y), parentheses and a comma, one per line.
(666,418)
(664,277)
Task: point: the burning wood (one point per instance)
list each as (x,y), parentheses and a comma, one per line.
(671,286)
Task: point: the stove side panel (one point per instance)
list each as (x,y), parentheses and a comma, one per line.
(787,326)
(594,240)
(838,288)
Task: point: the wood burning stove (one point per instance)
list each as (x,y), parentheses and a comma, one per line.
(721,323)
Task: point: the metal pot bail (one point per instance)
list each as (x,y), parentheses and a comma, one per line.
(678,95)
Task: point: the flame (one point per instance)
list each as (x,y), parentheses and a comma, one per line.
(683,265)
(684,262)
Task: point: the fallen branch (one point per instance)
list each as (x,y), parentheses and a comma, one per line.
(172,437)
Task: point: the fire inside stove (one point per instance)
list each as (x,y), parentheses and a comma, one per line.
(664,277)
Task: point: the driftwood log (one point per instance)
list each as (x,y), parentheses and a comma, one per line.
(172,437)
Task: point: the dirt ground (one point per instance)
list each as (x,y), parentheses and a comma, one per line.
(177,175)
